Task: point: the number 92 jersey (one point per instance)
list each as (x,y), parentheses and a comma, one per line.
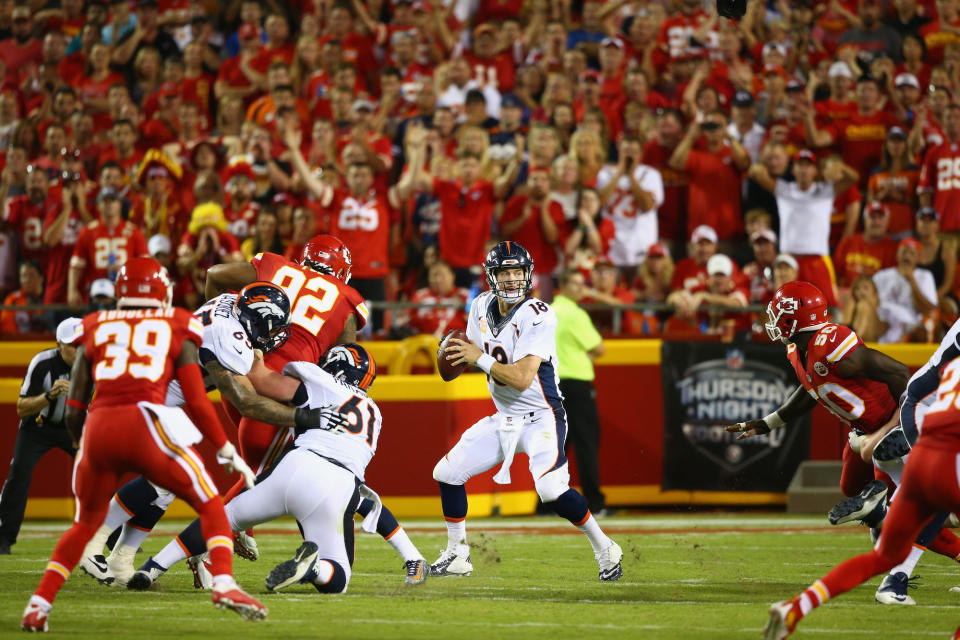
(319,308)
(530,328)
(224,340)
(862,403)
(133,353)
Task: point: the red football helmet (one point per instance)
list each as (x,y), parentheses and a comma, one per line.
(796,306)
(327,254)
(143,282)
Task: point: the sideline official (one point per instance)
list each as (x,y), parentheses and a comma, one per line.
(40,407)
(578,344)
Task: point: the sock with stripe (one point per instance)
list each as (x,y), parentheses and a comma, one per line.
(189,543)
(572,506)
(217,536)
(453,499)
(814,596)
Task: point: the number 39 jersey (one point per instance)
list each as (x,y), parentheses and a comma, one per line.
(352,444)
(224,340)
(862,403)
(529,328)
(133,353)
(319,308)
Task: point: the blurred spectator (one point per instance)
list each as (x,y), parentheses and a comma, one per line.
(868,252)
(935,255)
(804,208)
(438,321)
(895,184)
(785,269)
(22,49)
(840,103)
(102,247)
(713,197)
(593,232)
(939,184)
(160,249)
(691,272)
(265,236)
(61,228)
(536,222)
(906,295)
(860,310)
(719,289)
(13,322)
(205,243)
(759,272)
(631,193)
(159,209)
(578,345)
(871,34)
(744,127)
(103,295)
(303,227)
(657,153)
(26,214)
(564,178)
(605,288)
(239,207)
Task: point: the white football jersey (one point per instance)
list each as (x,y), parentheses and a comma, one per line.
(529,329)
(224,340)
(352,446)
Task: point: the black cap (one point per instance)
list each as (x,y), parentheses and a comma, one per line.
(511,100)
(743,99)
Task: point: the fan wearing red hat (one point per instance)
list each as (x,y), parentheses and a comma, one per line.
(805,207)
(907,294)
(867,252)
(241,211)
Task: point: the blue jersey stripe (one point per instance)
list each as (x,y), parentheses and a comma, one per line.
(548,382)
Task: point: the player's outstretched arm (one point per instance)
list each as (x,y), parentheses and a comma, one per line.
(233,276)
(78,397)
(349,333)
(799,403)
(239,392)
(269,383)
(864,362)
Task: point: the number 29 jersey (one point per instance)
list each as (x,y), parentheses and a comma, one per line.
(133,353)
(530,328)
(319,307)
(864,404)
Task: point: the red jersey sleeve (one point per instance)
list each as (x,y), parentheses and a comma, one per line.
(138,244)
(928,171)
(359,306)
(832,344)
(82,248)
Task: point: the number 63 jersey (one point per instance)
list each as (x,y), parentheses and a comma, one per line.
(530,328)
(864,404)
(352,440)
(319,307)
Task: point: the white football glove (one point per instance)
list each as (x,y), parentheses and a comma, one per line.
(232,462)
(856,441)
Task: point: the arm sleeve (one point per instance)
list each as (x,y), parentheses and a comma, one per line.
(33,381)
(587,335)
(653,182)
(191,383)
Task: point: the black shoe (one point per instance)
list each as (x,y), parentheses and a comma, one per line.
(870,506)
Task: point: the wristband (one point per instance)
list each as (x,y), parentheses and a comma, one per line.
(76,404)
(485,362)
(774,420)
(46,394)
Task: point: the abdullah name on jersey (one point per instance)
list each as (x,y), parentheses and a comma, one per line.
(133,353)
(528,329)
(224,340)
(319,307)
(350,444)
(864,404)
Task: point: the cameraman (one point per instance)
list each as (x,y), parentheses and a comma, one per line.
(40,407)
(60,231)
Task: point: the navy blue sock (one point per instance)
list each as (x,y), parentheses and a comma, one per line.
(572,506)
(387,523)
(453,499)
(192,538)
(337,582)
(929,532)
(365,507)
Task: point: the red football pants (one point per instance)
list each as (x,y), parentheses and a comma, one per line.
(818,271)
(929,484)
(117,440)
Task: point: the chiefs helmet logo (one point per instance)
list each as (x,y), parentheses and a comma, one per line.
(788,305)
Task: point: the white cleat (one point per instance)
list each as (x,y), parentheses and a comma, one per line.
(453,562)
(893,589)
(783,619)
(202,577)
(120,562)
(609,561)
(245,546)
(97,568)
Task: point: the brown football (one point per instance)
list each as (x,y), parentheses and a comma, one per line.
(447,370)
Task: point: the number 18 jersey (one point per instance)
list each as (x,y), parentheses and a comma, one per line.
(864,404)
(319,308)
(133,353)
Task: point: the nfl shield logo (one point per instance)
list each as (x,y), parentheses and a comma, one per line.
(735,359)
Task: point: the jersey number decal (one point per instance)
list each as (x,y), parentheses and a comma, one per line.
(947,391)
(103,248)
(351,409)
(148,340)
(308,309)
(354,215)
(822,336)
(830,392)
(32,233)
(948,174)
(499,355)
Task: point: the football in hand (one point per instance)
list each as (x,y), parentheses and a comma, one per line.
(447,370)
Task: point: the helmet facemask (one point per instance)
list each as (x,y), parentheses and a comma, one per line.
(510,290)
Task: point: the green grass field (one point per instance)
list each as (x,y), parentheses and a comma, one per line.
(690,576)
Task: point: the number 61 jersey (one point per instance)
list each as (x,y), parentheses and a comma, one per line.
(530,328)
(319,307)
(864,404)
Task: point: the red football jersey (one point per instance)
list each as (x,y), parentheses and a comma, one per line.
(363,224)
(862,403)
(940,175)
(319,308)
(941,423)
(27,218)
(96,244)
(133,353)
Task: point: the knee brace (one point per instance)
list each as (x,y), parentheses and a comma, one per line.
(553,484)
(444,472)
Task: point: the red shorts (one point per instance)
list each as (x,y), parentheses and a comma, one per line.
(120,439)
(818,271)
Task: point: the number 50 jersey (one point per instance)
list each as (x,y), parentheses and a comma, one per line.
(319,308)
(864,404)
